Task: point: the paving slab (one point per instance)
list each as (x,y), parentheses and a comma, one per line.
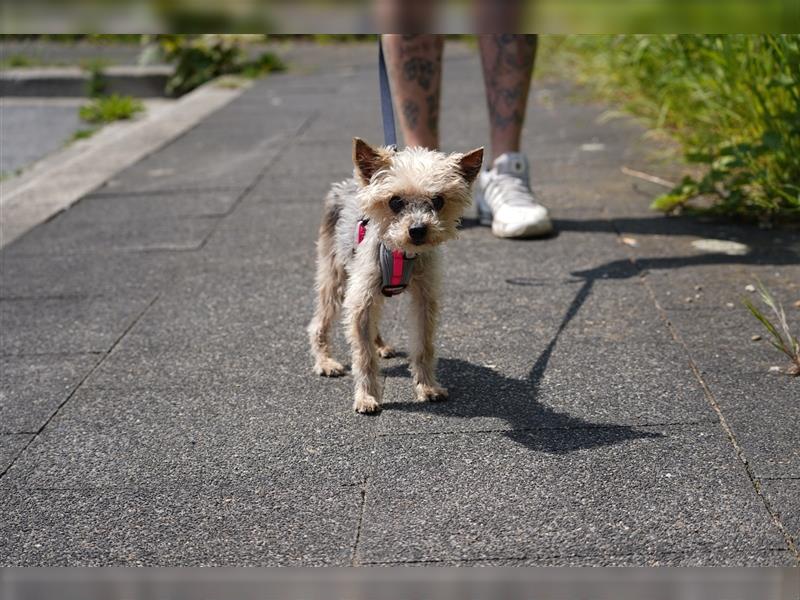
(177,444)
(62,275)
(200,203)
(554,492)
(80,233)
(33,387)
(69,324)
(180,527)
(221,392)
(192,161)
(243,313)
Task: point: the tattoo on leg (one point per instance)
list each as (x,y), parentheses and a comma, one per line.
(415,63)
(516,51)
(411,113)
(420,70)
(508,78)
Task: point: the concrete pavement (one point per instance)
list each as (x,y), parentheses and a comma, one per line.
(607,404)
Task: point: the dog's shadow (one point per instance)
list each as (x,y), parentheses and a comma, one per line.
(481,392)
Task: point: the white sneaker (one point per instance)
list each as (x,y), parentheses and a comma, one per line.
(505,200)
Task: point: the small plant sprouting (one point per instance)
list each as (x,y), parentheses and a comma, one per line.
(97,83)
(110,108)
(782,338)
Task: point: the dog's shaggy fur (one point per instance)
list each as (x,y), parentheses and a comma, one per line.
(397,191)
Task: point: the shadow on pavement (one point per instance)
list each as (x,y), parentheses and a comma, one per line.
(478,391)
(482,392)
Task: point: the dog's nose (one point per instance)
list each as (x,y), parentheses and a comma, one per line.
(417,233)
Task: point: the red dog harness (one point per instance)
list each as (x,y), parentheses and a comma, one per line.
(396,267)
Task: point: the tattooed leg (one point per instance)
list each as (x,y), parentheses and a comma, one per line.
(507,67)
(415,71)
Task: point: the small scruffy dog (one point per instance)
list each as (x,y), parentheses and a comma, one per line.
(380,234)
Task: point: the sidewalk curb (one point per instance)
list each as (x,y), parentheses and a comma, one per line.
(126,80)
(56,182)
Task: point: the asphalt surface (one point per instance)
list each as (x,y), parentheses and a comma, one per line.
(608,406)
(32,128)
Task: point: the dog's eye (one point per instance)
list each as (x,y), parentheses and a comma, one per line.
(396,204)
(437,202)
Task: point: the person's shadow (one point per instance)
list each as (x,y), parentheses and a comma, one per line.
(478,391)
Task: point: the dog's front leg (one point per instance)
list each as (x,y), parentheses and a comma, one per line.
(363,303)
(424,288)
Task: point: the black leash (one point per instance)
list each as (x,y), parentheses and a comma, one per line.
(387,110)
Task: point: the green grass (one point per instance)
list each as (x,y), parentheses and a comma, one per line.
(780,334)
(110,108)
(731,101)
(82,134)
(199,59)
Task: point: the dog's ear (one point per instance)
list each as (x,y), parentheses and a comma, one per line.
(470,164)
(366,160)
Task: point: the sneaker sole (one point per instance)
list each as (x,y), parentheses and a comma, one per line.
(534,231)
(485,218)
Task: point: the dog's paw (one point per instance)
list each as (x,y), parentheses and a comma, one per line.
(329,367)
(386,351)
(365,404)
(430,393)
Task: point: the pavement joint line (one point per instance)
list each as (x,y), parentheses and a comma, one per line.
(118,250)
(80,383)
(664,553)
(533,429)
(260,176)
(354,560)
(739,452)
(43,354)
(162,192)
(50,297)
(204,486)
(60,180)
(74,253)
(788,478)
(422,561)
